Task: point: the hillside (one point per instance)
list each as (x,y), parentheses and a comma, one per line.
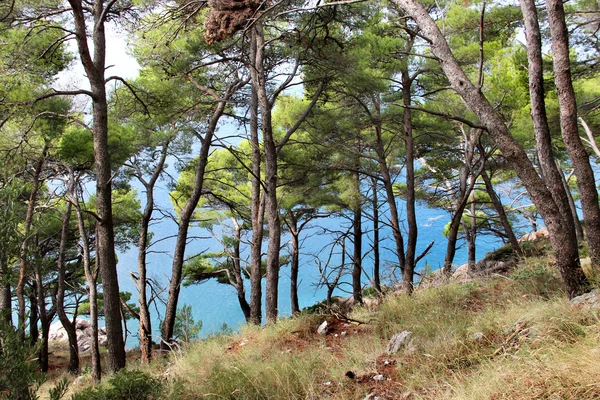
(505,337)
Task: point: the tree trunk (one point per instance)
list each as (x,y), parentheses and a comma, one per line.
(94,63)
(567,262)
(67,324)
(271,204)
(411,213)
(551,173)
(572,207)
(184,223)
(5,292)
(510,234)
(237,272)
(472,232)
(24,251)
(91,278)
(34,333)
(145,321)
(258,212)
(44,320)
(295,265)
(390,198)
(357,239)
(568,124)
(376,255)
(465,188)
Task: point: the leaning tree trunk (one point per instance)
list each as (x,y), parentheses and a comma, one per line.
(237,272)
(567,261)
(185,219)
(508,230)
(568,124)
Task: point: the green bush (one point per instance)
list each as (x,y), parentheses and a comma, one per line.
(125,385)
(20,377)
(538,279)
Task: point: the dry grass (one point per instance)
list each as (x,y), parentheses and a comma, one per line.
(530,344)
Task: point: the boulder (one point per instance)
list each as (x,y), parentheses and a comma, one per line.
(83,329)
(322,329)
(398,341)
(589,300)
(535,236)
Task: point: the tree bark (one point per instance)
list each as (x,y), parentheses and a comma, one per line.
(91,278)
(24,251)
(411,213)
(145,321)
(237,273)
(94,63)
(186,215)
(567,262)
(357,237)
(389,192)
(270,185)
(44,320)
(295,265)
(258,213)
(551,174)
(5,292)
(568,124)
(376,255)
(572,207)
(67,324)
(466,186)
(510,234)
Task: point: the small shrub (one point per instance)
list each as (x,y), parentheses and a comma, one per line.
(125,385)
(537,279)
(20,378)
(186,329)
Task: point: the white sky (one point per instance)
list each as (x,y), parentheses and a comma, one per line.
(118,62)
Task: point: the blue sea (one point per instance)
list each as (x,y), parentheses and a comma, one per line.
(216,304)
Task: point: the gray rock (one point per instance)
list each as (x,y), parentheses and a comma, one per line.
(102,340)
(82,324)
(84,344)
(322,329)
(379,377)
(591,300)
(399,341)
(477,336)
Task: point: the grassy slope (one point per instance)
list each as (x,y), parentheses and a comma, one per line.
(534,345)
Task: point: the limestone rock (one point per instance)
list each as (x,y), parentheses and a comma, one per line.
(83,329)
(398,341)
(322,329)
(535,236)
(589,300)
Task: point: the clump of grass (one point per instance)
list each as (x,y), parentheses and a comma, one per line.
(511,337)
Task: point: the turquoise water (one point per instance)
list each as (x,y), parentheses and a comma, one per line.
(216,304)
